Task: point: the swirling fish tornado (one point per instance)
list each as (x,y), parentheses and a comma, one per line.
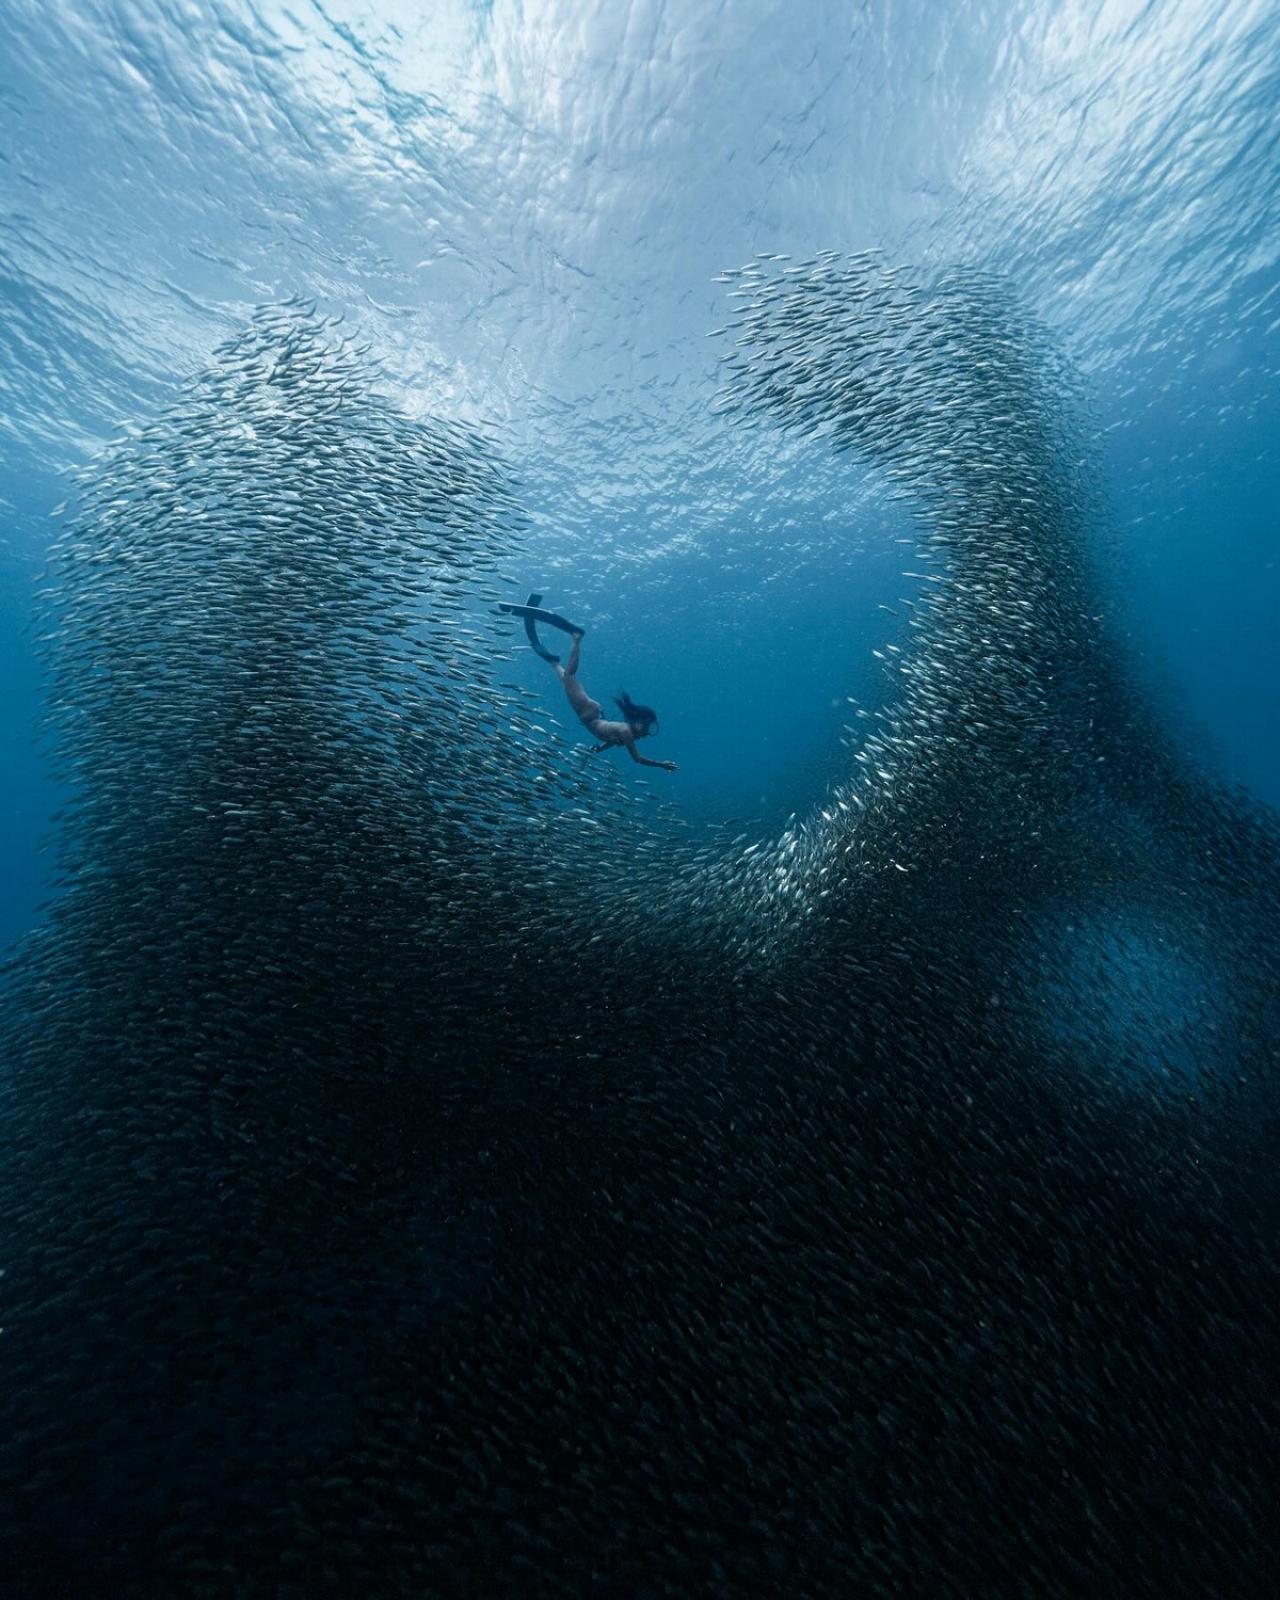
(426,1172)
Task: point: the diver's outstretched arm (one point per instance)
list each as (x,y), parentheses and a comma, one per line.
(667,766)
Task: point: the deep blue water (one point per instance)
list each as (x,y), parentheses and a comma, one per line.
(521,208)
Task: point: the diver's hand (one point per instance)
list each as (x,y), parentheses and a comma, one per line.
(667,766)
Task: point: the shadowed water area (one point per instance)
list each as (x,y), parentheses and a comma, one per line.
(431,1167)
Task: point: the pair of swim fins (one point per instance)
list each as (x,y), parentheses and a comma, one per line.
(533,614)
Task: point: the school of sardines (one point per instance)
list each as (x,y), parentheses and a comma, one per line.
(431,1169)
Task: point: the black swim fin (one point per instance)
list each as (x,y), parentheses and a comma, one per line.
(533,614)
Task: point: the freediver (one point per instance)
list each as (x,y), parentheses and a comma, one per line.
(639,722)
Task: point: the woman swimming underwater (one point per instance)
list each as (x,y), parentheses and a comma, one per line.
(640,721)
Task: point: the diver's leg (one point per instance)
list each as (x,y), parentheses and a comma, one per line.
(579,699)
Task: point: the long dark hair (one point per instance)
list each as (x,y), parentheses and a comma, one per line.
(639,716)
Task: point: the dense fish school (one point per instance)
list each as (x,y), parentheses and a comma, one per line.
(429,1171)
